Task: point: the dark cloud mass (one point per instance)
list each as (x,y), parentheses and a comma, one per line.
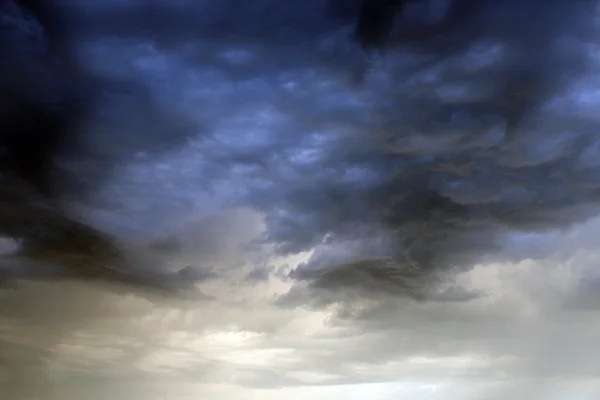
(398,142)
(471,131)
(457,121)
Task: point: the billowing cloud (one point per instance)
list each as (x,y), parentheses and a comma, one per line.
(353,193)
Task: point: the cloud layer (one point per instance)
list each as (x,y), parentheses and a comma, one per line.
(349,205)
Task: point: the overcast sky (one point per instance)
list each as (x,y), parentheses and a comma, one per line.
(400,224)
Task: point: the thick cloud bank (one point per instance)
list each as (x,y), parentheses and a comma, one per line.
(386,147)
(421,144)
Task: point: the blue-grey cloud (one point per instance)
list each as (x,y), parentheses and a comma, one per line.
(449,129)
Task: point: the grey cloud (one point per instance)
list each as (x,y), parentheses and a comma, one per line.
(585,297)
(538,322)
(445,152)
(460,154)
(48,157)
(260,274)
(39,322)
(442,153)
(399,169)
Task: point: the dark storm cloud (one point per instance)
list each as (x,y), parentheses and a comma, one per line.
(460,123)
(471,130)
(399,141)
(54,110)
(401,148)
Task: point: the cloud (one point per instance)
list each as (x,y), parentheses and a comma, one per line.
(241,342)
(425,155)
(342,215)
(419,157)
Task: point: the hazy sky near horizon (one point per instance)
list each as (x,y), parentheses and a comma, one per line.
(533,330)
(377,237)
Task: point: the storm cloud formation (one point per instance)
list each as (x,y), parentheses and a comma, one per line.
(48,101)
(387,146)
(461,125)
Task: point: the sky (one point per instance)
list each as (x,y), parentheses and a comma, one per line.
(408,216)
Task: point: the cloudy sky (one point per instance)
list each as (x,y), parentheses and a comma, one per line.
(416,221)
